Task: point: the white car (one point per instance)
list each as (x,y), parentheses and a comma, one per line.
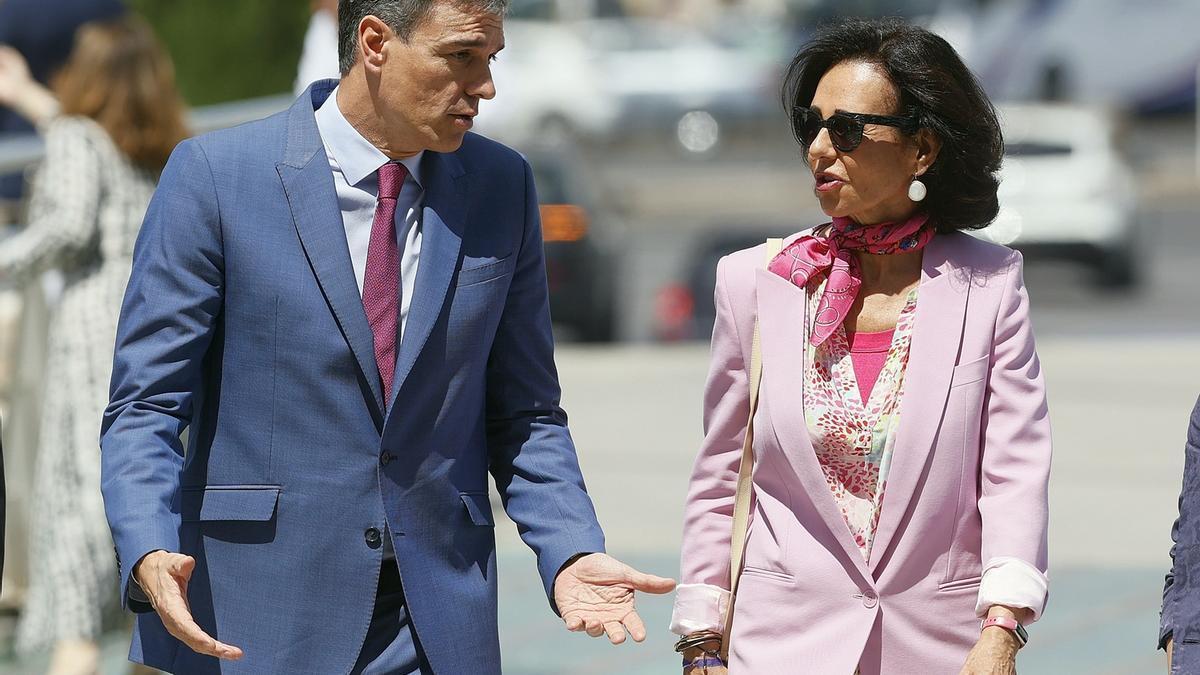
(548,89)
(1136,55)
(1065,190)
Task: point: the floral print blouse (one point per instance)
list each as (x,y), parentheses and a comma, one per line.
(854,442)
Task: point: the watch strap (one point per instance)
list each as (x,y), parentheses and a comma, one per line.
(1009,624)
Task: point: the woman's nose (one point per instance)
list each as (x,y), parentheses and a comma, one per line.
(821,146)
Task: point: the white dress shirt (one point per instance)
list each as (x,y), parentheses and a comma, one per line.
(355,164)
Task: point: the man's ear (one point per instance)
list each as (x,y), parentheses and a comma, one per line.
(373,34)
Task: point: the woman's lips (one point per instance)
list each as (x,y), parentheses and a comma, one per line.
(827,182)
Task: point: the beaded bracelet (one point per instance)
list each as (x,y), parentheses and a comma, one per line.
(703,662)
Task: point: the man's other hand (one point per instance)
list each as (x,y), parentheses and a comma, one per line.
(164,578)
(596,592)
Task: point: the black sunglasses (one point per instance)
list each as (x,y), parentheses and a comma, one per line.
(845,128)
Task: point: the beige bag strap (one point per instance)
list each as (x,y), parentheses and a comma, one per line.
(741,502)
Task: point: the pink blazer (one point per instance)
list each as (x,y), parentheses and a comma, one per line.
(967,483)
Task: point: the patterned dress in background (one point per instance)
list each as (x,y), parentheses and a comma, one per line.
(87,204)
(854,442)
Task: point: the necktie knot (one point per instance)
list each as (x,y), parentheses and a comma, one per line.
(391,178)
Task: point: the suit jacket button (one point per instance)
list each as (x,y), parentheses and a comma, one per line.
(372,537)
(385,458)
(870,599)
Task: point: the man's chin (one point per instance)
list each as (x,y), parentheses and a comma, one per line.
(449,142)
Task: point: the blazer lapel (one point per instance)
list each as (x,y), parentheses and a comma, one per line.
(308,184)
(936,340)
(781,312)
(443,222)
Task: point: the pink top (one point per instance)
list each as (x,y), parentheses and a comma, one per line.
(868,353)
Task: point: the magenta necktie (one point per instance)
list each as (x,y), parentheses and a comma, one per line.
(381,283)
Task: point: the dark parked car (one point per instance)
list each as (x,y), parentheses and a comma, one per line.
(684,310)
(580,252)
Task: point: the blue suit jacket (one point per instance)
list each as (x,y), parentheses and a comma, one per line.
(1181,595)
(243,323)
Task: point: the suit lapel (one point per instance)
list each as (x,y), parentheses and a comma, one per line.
(443,222)
(781,312)
(308,184)
(936,340)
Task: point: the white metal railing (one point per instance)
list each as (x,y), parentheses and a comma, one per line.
(21,151)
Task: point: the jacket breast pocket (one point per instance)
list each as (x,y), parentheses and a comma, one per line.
(481,270)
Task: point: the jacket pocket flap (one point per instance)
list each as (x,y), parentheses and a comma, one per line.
(230,502)
(971,371)
(478,507)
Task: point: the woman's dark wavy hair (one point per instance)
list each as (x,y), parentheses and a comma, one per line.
(935,87)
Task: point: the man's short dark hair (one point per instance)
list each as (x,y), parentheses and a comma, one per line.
(402,16)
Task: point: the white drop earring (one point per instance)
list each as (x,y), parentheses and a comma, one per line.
(917,190)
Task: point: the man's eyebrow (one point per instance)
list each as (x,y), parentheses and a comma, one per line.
(468,43)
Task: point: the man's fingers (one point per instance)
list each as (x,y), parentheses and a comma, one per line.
(637,629)
(616,632)
(594,628)
(181,566)
(574,623)
(178,621)
(648,583)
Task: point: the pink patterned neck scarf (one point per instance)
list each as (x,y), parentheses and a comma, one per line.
(831,254)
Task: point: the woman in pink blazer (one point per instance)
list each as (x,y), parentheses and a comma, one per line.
(902,445)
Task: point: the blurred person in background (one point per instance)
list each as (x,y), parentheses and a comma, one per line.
(109,125)
(42,31)
(319,55)
(345,304)
(1179,632)
(903,446)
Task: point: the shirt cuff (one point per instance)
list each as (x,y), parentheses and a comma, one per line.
(699,607)
(1012,582)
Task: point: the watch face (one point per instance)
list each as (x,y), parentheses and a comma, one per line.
(1022,635)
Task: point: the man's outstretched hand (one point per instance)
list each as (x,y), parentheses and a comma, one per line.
(164,579)
(595,594)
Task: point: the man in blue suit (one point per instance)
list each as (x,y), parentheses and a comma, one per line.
(1179,623)
(345,304)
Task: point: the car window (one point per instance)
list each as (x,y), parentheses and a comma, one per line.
(551,187)
(1036,149)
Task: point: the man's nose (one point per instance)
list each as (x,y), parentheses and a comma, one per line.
(484,87)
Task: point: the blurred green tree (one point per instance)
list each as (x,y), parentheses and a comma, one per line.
(225,50)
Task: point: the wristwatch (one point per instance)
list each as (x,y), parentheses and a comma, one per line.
(1008,624)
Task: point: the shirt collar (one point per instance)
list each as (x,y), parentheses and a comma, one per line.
(355,156)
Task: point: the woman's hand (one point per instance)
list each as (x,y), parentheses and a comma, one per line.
(19,91)
(994,654)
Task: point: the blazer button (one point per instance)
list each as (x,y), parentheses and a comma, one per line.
(386,458)
(870,600)
(372,537)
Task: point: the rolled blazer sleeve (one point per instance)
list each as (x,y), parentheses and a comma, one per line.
(167,320)
(1015,464)
(1177,613)
(703,591)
